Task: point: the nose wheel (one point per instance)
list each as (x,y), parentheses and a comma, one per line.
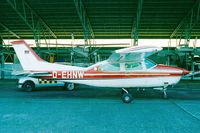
(126,96)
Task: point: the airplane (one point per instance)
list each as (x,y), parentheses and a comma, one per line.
(125,69)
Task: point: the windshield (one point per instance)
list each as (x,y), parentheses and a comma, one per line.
(149,64)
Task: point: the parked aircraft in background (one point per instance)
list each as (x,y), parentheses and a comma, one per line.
(125,68)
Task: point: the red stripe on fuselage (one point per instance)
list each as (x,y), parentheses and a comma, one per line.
(113,75)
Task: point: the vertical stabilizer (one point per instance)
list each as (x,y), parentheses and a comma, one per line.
(27,57)
(30,61)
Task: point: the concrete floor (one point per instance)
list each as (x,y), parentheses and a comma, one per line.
(89,110)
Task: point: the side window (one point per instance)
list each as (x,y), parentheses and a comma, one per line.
(149,64)
(133,66)
(110,67)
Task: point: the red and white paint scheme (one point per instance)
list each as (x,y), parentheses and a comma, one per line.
(125,68)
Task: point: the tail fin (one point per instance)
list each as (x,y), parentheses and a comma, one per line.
(27,57)
(30,61)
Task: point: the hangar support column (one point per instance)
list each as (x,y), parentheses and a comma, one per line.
(186,25)
(2,58)
(184,30)
(31,19)
(87,28)
(10,31)
(135,32)
(88,33)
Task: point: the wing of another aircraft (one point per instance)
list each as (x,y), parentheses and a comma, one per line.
(30,74)
(136,53)
(192,74)
(26,73)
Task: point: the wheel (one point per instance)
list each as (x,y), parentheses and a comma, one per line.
(28,86)
(127,98)
(69,86)
(164,95)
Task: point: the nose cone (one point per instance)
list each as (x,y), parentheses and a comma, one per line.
(185,71)
(172,68)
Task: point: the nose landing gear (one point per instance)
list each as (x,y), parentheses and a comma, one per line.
(126,96)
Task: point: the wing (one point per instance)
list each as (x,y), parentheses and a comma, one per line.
(139,49)
(135,54)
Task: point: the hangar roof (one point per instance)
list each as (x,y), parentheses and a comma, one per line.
(108,18)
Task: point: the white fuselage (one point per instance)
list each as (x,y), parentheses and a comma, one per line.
(130,82)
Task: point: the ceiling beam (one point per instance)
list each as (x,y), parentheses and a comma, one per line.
(10,31)
(87,28)
(30,17)
(134,33)
(189,16)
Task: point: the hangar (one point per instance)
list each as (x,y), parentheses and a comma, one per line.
(84,32)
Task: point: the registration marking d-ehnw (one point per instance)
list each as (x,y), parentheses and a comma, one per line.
(68,74)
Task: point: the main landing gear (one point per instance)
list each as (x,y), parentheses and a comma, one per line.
(28,86)
(164,93)
(69,86)
(126,96)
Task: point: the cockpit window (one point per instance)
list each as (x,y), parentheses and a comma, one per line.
(128,57)
(132,57)
(149,64)
(133,66)
(114,57)
(110,67)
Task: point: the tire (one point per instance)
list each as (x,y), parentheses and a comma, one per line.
(127,98)
(28,86)
(69,86)
(164,96)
